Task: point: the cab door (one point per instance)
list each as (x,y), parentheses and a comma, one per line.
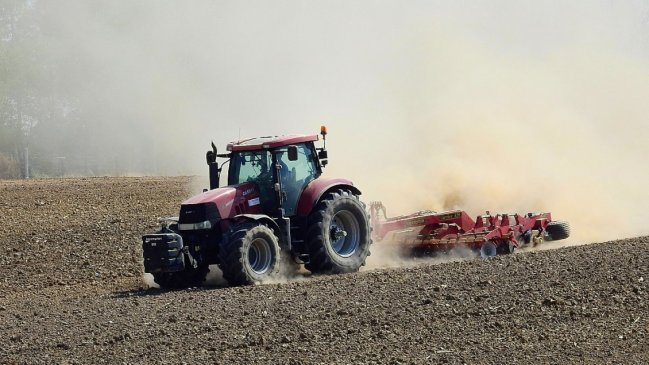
(296,175)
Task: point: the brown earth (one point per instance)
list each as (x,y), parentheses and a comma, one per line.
(71,292)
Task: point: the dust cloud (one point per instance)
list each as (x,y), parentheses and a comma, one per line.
(554,124)
(388,253)
(149,281)
(504,106)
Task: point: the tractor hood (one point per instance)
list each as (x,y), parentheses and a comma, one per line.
(229,201)
(218,196)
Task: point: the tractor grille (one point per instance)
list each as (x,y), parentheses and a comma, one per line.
(197,213)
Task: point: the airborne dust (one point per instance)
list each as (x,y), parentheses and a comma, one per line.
(505,106)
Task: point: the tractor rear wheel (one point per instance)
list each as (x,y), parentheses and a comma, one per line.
(250,254)
(338,235)
(558,230)
(183,279)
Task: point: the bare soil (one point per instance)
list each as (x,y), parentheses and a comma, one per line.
(71,292)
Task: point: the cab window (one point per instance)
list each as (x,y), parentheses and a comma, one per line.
(296,175)
(255,166)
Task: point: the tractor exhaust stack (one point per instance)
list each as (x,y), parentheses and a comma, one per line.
(214,170)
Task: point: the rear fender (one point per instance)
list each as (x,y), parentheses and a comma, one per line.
(317,189)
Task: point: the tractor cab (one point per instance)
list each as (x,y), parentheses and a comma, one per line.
(280,167)
(280,172)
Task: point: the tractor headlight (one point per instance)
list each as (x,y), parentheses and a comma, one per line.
(195,226)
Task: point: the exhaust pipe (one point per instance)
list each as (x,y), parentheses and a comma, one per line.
(214,171)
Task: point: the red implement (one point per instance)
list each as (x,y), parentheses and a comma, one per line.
(429,231)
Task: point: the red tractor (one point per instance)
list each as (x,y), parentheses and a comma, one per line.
(277,211)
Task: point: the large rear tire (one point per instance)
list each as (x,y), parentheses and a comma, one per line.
(187,278)
(250,254)
(558,230)
(338,234)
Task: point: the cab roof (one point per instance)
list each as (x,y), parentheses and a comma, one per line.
(271,142)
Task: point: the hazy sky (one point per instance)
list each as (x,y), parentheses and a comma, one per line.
(512,105)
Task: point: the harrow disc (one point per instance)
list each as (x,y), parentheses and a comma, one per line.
(488,249)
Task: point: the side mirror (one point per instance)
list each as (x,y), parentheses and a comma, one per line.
(292,153)
(322,154)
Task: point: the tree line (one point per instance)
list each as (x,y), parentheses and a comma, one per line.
(54,118)
(38,119)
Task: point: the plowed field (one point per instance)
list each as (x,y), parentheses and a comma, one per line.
(71,292)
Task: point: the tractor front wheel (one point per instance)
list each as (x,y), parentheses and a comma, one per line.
(250,254)
(338,235)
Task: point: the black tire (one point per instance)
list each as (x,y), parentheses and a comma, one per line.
(187,278)
(488,249)
(558,230)
(338,234)
(250,254)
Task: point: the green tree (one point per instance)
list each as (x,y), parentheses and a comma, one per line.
(28,97)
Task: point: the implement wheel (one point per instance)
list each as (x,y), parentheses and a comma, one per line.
(249,254)
(338,235)
(488,249)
